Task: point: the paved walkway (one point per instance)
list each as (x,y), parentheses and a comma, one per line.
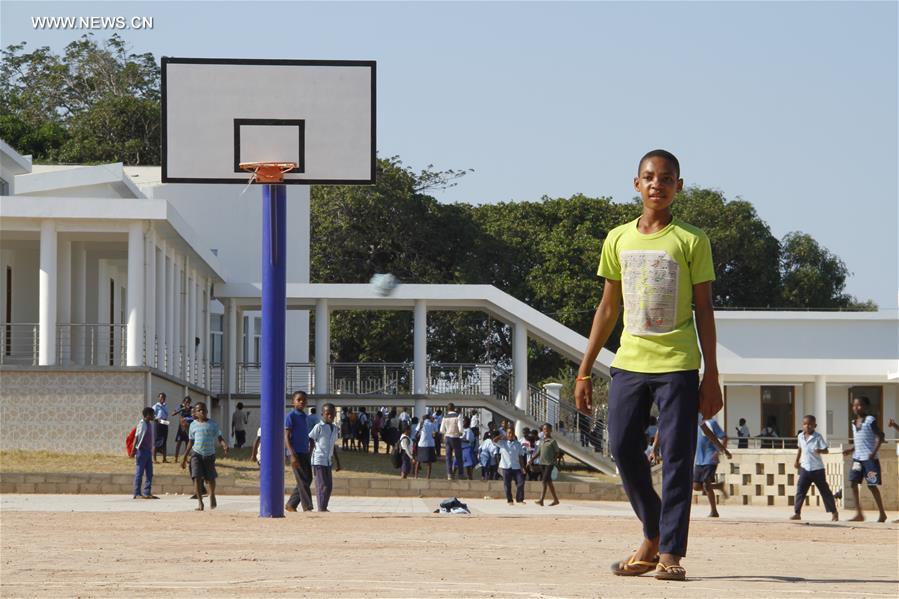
(402,506)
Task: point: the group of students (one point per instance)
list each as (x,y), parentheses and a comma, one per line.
(867,439)
(201,434)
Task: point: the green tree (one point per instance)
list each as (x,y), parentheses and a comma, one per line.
(94,103)
(813,277)
(745,253)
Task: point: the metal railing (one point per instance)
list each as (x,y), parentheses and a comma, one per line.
(92,344)
(19,343)
(589,432)
(383,378)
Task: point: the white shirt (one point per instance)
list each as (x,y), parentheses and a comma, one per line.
(808,459)
(325,436)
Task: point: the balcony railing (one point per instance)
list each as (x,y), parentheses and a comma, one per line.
(76,344)
(91,344)
(19,343)
(358,378)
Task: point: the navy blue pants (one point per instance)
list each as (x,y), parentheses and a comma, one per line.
(806,478)
(143,469)
(631,396)
(508,475)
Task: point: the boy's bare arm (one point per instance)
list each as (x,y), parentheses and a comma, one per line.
(711,436)
(190,445)
(294,460)
(798,455)
(603,322)
(336,459)
(710,400)
(224,444)
(879,435)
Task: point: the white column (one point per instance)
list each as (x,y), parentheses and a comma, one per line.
(420,356)
(230,359)
(64,301)
(170,313)
(177,337)
(135,294)
(322,347)
(820,411)
(520,369)
(186,339)
(240,336)
(207,329)
(554,390)
(161,301)
(79,301)
(47,295)
(720,416)
(192,325)
(150,298)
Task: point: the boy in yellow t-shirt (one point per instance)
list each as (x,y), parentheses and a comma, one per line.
(658,267)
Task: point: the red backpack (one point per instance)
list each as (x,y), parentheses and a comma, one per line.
(129,441)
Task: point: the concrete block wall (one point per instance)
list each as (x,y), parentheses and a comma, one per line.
(767,477)
(121,484)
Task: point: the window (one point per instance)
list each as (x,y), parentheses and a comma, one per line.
(216,338)
(777,411)
(4,187)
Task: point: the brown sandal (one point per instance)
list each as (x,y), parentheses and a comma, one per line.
(632,567)
(670,572)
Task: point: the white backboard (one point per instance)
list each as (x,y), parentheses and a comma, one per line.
(217,113)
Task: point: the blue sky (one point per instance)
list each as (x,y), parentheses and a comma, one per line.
(791,106)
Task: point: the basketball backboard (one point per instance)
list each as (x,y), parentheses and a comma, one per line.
(218,113)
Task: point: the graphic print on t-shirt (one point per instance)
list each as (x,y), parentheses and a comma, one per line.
(649,287)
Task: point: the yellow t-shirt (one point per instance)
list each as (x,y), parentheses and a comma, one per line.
(657,274)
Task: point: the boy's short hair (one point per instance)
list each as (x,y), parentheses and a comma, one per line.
(240,405)
(200,406)
(148,412)
(742,421)
(328,405)
(811,418)
(665,154)
(547,425)
(163,395)
(864,399)
(298,394)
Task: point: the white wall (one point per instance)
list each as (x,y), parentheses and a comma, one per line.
(743,402)
(853,336)
(104,190)
(229,218)
(838,403)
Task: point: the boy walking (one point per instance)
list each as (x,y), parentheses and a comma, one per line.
(811,469)
(710,441)
(322,442)
(547,452)
(866,440)
(296,439)
(201,437)
(142,452)
(658,266)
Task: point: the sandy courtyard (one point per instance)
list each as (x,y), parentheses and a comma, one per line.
(106,546)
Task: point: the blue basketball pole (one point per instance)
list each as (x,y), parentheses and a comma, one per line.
(274,305)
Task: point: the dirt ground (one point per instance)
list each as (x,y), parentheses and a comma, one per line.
(489,554)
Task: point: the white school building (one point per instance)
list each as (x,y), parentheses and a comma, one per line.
(115,287)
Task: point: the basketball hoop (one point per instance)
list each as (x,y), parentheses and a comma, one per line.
(268,172)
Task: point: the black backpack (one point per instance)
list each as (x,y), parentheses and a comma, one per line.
(396,456)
